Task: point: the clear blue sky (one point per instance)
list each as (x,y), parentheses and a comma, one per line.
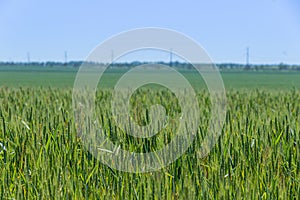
(271,28)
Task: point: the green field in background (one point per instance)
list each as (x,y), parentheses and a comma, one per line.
(232,79)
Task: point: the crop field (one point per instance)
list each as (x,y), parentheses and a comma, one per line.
(256,157)
(236,80)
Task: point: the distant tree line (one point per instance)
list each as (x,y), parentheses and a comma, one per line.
(176,64)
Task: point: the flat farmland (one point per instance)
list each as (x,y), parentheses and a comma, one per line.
(256,157)
(237,80)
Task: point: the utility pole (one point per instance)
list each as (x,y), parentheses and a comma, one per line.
(247,58)
(171,57)
(66,57)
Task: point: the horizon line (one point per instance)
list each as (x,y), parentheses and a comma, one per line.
(143,62)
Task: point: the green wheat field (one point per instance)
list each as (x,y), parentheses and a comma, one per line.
(256,157)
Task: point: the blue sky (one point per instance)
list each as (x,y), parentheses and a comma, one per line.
(271,28)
